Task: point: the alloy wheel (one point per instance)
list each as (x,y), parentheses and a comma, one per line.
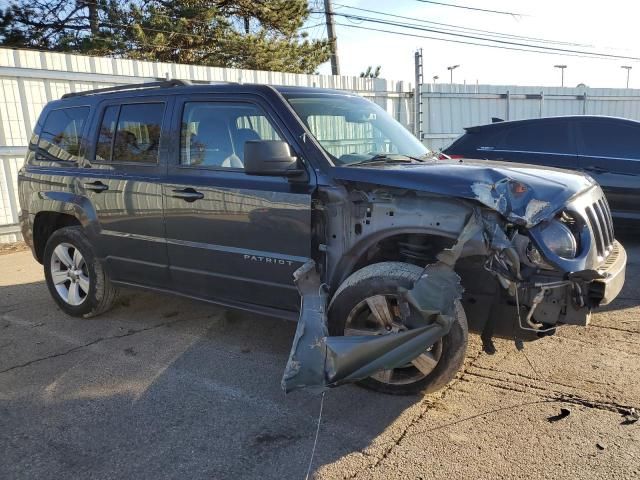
(380,315)
(69,274)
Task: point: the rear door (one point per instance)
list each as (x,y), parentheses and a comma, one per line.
(123,183)
(549,142)
(232,237)
(609,151)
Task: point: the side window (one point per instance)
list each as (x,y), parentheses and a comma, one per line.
(214,133)
(548,137)
(130,133)
(603,139)
(61,134)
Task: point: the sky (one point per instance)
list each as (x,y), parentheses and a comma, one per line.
(611,27)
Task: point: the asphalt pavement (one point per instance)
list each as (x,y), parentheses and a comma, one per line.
(163,387)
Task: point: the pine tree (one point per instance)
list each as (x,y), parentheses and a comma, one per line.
(84,26)
(253,34)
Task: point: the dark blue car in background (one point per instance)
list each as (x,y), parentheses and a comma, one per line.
(606,148)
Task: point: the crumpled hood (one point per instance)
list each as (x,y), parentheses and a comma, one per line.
(523,194)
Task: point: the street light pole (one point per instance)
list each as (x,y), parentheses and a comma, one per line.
(435,78)
(628,69)
(561,67)
(451,69)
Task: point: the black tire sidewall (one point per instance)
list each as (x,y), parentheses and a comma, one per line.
(73,236)
(454,344)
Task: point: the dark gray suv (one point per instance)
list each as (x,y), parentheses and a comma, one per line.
(258,197)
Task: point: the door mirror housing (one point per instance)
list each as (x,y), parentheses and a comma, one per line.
(270,157)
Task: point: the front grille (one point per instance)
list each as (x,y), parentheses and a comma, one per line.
(601,224)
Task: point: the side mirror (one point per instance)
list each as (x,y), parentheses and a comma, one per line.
(269,157)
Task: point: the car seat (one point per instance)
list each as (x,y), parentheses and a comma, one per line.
(212,144)
(241,136)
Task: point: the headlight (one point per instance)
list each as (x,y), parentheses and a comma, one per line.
(559,239)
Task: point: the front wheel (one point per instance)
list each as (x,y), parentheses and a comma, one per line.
(367,303)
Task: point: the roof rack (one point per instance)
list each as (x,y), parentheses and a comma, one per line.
(130,86)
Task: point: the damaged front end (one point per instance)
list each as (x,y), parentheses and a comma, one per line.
(561,268)
(514,279)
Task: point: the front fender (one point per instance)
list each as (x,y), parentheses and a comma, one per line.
(383,214)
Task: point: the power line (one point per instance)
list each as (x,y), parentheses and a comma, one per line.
(312,26)
(511,14)
(414,35)
(485,39)
(460,27)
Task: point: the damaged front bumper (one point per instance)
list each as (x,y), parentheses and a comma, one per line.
(548,300)
(318,361)
(613,275)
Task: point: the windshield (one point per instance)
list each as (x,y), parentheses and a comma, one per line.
(353,130)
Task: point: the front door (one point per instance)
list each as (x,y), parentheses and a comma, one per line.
(232,237)
(123,183)
(609,151)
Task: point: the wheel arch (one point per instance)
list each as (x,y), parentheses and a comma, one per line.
(50,211)
(358,255)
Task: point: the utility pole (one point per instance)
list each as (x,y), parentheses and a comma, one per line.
(333,41)
(628,69)
(561,67)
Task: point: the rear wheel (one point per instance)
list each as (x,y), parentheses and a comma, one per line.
(368,303)
(76,280)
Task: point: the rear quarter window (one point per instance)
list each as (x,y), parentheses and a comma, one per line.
(61,134)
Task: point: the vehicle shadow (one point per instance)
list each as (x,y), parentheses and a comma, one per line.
(171,388)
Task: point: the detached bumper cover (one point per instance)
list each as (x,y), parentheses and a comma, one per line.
(318,361)
(613,269)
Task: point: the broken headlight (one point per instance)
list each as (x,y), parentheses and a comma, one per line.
(558,238)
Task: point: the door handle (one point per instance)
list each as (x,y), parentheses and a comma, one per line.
(595,169)
(188,195)
(96,186)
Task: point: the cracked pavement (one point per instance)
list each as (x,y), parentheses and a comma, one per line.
(163,387)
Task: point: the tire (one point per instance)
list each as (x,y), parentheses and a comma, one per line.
(384,279)
(93,293)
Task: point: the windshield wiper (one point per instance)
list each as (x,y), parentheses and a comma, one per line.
(388,158)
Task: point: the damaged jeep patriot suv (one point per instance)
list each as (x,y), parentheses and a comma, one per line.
(252,196)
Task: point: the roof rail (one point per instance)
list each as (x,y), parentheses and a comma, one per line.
(130,86)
